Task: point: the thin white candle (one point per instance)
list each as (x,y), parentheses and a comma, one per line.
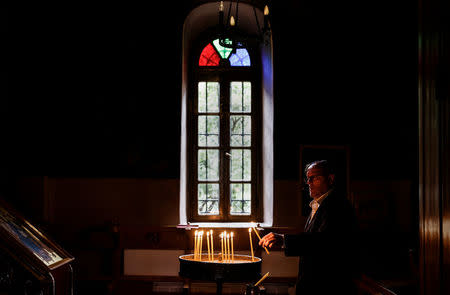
(262,279)
(259,237)
(225,245)
(251,244)
(209,248)
(198,244)
(195,245)
(232,247)
(221,241)
(228,247)
(212,244)
(201,245)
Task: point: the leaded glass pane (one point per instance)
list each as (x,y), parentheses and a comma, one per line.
(241,97)
(240,200)
(240,208)
(223,51)
(240,191)
(240,130)
(208,198)
(208,97)
(240,165)
(208,130)
(208,165)
(240,58)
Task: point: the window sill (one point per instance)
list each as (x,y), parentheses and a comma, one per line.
(194,225)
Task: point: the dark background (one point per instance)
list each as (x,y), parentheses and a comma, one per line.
(92,93)
(95,90)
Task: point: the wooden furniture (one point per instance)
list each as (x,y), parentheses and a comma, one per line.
(31,263)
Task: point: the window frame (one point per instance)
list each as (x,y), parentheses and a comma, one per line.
(224,75)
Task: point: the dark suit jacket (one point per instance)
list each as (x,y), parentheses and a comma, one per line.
(327,248)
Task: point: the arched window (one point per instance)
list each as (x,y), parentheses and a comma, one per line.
(226,163)
(225,134)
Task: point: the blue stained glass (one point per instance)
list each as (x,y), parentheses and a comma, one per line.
(240,58)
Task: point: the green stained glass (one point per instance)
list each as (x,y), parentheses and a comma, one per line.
(223,51)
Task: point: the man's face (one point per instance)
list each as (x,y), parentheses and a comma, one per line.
(318,181)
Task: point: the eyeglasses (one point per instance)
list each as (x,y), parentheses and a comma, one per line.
(313,179)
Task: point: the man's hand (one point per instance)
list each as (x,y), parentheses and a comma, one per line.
(271,239)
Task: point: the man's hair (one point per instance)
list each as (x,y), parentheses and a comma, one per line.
(321,164)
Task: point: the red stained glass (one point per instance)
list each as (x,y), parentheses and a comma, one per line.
(209,56)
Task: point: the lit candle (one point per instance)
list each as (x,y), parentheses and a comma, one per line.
(225,245)
(201,245)
(232,248)
(198,243)
(221,13)
(212,244)
(195,245)
(251,244)
(228,247)
(209,248)
(232,22)
(266,17)
(259,237)
(221,240)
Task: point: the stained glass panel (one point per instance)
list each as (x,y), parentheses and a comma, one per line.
(240,130)
(208,198)
(208,97)
(241,97)
(240,58)
(209,56)
(223,51)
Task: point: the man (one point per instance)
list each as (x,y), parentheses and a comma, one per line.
(327,248)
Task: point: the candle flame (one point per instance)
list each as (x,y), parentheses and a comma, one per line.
(266,10)
(232,22)
(249,229)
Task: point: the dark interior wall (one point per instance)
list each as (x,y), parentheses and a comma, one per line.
(346,74)
(95,90)
(90,86)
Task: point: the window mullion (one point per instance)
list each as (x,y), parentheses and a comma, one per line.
(225,144)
